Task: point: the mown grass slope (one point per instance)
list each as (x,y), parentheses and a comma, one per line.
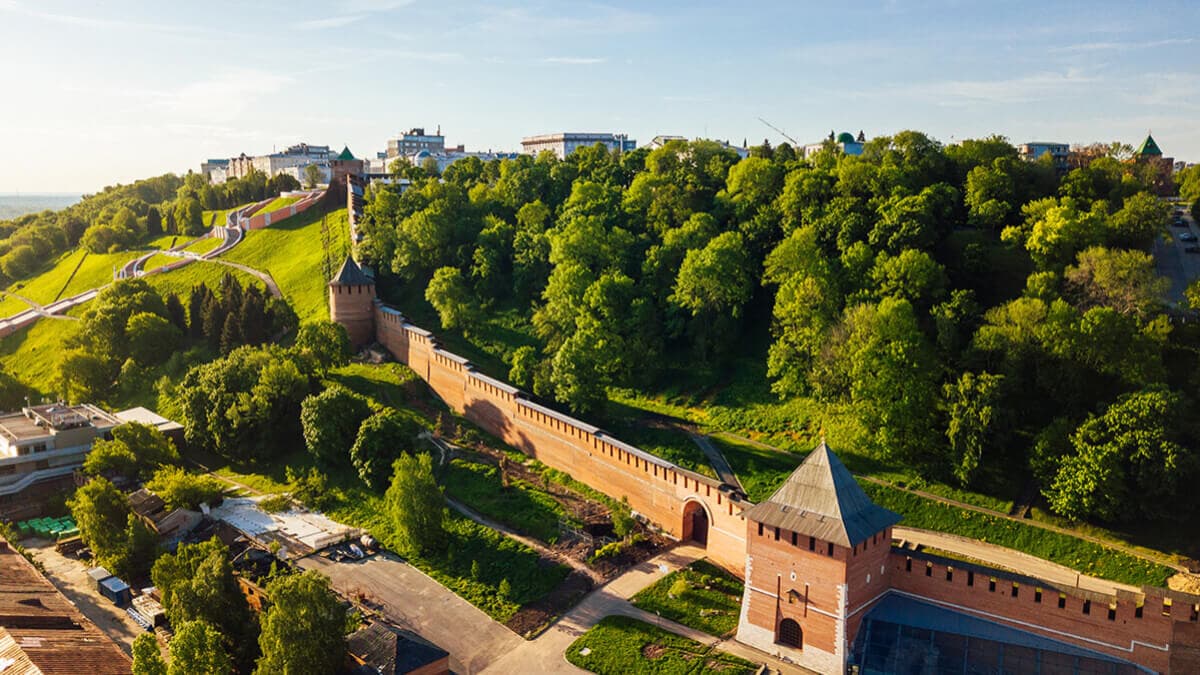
(93,270)
(31,355)
(292,253)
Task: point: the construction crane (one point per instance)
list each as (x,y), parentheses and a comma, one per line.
(779,131)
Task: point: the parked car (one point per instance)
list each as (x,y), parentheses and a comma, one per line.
(1191,249)
(1187,236)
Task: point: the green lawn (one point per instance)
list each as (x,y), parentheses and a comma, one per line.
(204,245)
(57,281)
(166,241)
(292,252)
(278,203)
(619,645)
(159,260)
(216,218)
(1084,556)
(519,506)
(180,281)
(389,384)
(711,603)
(31,355)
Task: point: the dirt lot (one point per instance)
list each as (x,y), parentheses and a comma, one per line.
(70,577)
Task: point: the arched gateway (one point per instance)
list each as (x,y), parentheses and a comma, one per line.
(695,522)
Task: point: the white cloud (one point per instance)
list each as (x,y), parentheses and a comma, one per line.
(594,19)
(373,5)
(1024,89)
(331,22)
(574,60)
(1087,47)
(14,7)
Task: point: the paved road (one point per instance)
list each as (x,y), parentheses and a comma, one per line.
(417,602)
(70,577)
(717,460)
(1173,263)
(1022,563)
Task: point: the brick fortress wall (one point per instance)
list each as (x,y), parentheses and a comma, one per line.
(1157,628)
(657,489)
(1164,634)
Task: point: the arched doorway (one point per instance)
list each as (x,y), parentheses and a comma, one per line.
(695,523)
(790,634)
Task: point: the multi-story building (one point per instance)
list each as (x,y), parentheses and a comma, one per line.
(40,447)
(845,141)
(563,144)
(294,159)
(415,140)
(1034,150)
(212,169)
(1148,153)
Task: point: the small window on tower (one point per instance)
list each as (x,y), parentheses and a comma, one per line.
(831,549)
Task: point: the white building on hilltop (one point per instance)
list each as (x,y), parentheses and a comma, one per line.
(563,144)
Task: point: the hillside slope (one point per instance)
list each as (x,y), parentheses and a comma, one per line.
(292,253)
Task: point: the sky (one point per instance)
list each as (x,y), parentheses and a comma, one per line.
(93,94)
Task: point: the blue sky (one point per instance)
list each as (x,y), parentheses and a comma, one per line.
(96,94)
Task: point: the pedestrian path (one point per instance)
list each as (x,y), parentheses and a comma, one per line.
(718,461)
(546,653)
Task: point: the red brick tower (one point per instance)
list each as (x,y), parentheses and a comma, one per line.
(352,303)
(816,558)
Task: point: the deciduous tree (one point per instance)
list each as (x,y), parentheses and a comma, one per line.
(382,438)
(303,630)
(331,422)
(416,505)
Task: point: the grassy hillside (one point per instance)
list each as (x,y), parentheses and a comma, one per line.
(205,245)
(31,355)
(292,253)
(180,281)
(95,270)
(278,203)
(217,217)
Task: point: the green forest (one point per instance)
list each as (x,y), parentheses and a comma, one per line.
(980,320)
(122,217)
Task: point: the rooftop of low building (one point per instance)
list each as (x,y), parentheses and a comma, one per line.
(45,420)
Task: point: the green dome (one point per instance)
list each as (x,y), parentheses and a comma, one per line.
(845,137)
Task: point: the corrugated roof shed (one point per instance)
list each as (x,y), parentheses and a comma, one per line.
(821,499)
(46,629)
(386,649)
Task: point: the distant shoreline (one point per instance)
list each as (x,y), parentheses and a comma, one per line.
(17,204)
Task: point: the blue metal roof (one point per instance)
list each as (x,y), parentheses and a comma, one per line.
(906,611)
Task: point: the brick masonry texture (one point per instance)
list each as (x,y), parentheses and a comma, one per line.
(827,589)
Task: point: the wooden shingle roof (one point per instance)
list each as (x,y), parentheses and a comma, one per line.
(822,499)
